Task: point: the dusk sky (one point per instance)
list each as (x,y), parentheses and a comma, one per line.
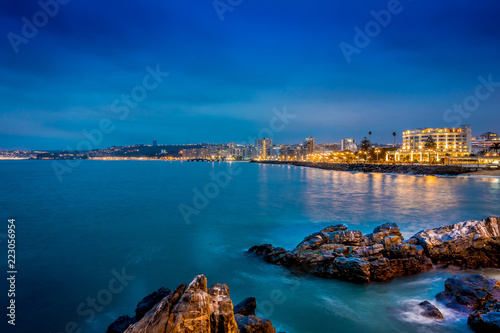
(226,76)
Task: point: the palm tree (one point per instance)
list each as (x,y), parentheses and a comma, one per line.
(370,134)
(495,147)
(394,135)
(429,145)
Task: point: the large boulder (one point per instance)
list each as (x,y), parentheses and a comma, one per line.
(471,244)
(467,292)
(477,295)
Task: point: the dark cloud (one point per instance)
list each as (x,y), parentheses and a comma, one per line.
(227,76)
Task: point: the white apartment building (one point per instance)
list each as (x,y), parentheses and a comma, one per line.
(452,142)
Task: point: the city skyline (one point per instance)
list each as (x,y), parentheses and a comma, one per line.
(227,71)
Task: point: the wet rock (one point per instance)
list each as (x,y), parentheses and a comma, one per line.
(382,255)
(468,292)
(246,307)
(477,295)
(486,318)
(471,244)
(336,252)
(430,311)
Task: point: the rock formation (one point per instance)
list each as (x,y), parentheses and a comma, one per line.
(471,244)
(477,295)
(430,311)
(194,309)
(336,252)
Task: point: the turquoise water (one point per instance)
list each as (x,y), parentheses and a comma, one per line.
(124,215)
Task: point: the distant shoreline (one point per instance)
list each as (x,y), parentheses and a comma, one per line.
(430,170)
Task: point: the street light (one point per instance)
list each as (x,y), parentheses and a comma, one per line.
(377,151)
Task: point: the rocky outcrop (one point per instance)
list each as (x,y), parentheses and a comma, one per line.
(146,304)
(470,244)
(486,318)
(336,252)
(475,294)
(246,307)
(430,311)
(194,309)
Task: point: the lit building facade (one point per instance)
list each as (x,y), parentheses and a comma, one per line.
(484,142)
(449,142)
(263,147)
(348,144)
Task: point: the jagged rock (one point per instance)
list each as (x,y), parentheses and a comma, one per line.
(246,307)
(149,301)
(477,295)
(486,318)
(195,309)
(221,309)
(430,310)
(382,255)
(121,324)
(471,244)
(468,292)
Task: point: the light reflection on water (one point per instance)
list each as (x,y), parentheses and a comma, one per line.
(117,214)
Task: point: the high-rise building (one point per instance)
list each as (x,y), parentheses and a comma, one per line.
(309,145)
(155,143)
(348,144)
(263,147)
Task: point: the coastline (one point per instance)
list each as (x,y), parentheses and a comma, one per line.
(426,170)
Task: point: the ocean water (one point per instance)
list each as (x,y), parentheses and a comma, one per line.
(121,218)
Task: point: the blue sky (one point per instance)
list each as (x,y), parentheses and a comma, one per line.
(226,76)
